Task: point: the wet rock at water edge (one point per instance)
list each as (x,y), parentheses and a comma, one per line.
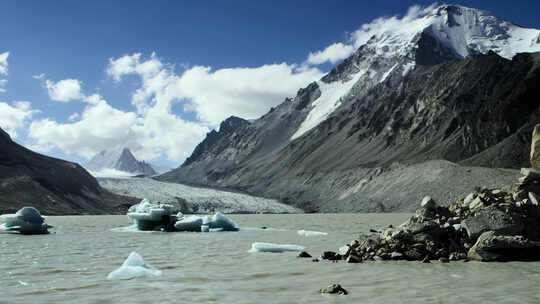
(304,254)
(535,148)
(492,247)
(334,289)
(353,259)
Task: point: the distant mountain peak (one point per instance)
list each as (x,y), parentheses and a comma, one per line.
(119,158)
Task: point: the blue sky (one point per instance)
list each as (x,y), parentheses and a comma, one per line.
(157,75)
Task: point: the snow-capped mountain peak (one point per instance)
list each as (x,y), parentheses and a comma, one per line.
(120,159)
(397,46)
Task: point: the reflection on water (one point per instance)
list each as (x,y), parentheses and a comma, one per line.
(72,265)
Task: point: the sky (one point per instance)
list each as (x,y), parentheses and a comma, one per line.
(78,77)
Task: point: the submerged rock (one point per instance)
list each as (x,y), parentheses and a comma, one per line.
(334,289)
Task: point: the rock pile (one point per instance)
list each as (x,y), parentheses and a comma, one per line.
(487,225)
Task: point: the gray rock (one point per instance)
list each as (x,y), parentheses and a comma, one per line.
(304,254)
(492,247)
(428,203)
(491,218)
(529,175)
(535,148)
(396,255)
(533,199)
(353,259)
(334,289)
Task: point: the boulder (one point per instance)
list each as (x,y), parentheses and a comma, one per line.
(494,219)
(493,247)
(304,254)
(334,289)
(529,175)
(353,259)
(535,148)
(428,203)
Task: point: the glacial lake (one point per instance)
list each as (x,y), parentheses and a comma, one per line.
(71,266)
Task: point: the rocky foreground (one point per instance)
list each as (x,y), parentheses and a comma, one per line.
(487,225)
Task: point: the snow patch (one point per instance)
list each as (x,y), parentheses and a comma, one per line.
(332,95)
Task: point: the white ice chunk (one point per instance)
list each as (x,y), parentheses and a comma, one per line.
(269,247)
(311,233)
(133,267)
(190,223)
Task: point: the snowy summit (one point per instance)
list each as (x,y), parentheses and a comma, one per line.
(118,161)
(422,38)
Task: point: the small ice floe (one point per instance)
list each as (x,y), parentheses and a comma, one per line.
(28,220)
(153,217)
(311,233)
(133,267)
(218,222)
(269,247)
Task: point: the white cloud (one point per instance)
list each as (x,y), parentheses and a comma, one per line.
(15,116)
(73,116)
(339,50)
(244,92)
(333,53)
(392,24)
(100,127)
(152,129)
(4,63)
(3,70)
(39,77)
(64,90)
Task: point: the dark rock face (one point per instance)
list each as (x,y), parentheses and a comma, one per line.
(484,108)
(52,185)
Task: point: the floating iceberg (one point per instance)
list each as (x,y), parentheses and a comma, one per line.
(218,222)
(269,247)
(28,220)
(133,267)
(148,216)
(311,233)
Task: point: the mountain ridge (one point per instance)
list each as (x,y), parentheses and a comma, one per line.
(379,110)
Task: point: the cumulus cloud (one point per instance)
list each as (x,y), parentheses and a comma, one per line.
(380,26)
(15,116)
(333,53)
(243,92)
(212,94)
(392,24)
(64,90)
(101,127)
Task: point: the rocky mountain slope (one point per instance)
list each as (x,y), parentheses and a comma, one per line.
(390,123)
(51,185)
(119,159)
